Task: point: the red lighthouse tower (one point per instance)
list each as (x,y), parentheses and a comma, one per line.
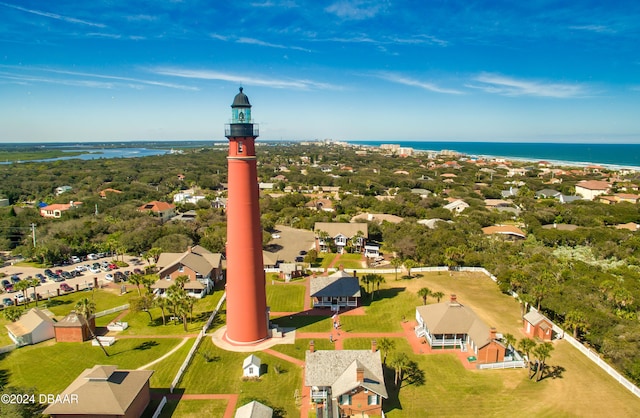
(247,315)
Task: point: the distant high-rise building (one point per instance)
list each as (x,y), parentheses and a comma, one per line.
(247,312)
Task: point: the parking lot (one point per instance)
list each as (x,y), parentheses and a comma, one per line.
(290,243)
(84,280)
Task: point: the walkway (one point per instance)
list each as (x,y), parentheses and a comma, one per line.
(176,348)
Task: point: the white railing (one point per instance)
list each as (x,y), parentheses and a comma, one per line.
(318,394)
(8,348)
(503,365)
(163,402)
(330,304)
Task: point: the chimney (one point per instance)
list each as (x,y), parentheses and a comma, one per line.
(374,346)
(454,299)
(492,334)
(341,267)
(312,347)
(360,374)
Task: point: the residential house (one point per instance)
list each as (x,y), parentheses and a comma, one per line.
(104,391)
(547,194)
(431,223)
(589,189)
(187,196)
(377,217)
(74,328)
(631,226)
(251,366)
(336,291)
(32,327)
(103,193)
(55,210)
(457,206)
(538,326)
(254,409)
(506,231)
(203,268)
(162,210)
(372,251)
(452,325)
(62,189)
(269,260)
(512,192)
(325,205)
(345,383)
(342,234)
(288,271)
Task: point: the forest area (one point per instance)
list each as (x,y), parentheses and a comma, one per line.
(586,277)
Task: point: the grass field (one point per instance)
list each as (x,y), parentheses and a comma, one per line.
(350,261)
(166,370)
(224,375)
(194,408)
(285,297)
(301,345)
(50,366)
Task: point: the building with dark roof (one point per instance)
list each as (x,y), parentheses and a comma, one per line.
(336,291)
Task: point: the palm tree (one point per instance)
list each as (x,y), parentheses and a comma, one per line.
(575,320)
(510,340)
(424,293)
(161,302)
(409,264)
(86,307)
(23,286)
(437,295)
(136,279)
(396,262)
(365,280)
(181,280)
(526,345)
(154,253)
(375,280)
(542,352)
(386,345)
(399,361)
(34,283)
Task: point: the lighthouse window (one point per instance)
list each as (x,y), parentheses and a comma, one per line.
(240,147)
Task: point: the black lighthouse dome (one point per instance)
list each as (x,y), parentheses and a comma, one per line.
(241,100)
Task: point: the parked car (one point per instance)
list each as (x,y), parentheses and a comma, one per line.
(275,236)
(94,269)
(113,266)
(66,275)
(58,279)
(75,259)
(15,278)
(65,287)
(119,276)
(7,302)
(81,268)
(92,256)
(109,277)
(138,271)
(6,283)
(20,298)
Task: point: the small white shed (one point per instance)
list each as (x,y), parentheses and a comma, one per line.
(251,366)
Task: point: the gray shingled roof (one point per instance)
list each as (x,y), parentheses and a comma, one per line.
(337,369)
(339,283)
(254,409)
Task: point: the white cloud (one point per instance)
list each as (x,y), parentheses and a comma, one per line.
(54,16)
(296,84)
(253,41)
(507,86)
(355,9)
(594,28)
(400,79)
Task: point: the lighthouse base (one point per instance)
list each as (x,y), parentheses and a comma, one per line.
(220,339)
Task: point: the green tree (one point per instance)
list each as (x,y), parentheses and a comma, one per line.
(424,293)
(398,362)
(576,321)
(86,307)
(409,264)
(396,262)
(437,295)
(386,345)
(542,353)
(142,303)
(12,313)
(23,286)
(161,302)
(136,279)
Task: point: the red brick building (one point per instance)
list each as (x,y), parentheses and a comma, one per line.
(538,326)
(74,328)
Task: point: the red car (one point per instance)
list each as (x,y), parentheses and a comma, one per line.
(65,287)
(112,266)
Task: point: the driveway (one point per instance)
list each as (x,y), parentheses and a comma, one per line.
(290,243)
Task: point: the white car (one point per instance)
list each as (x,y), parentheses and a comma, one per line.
(109,277)
(94,270)
(92,257)
(75,259)
(80,269)
(275,236)
(20,298)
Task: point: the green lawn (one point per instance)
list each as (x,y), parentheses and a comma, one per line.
(305,323)
(350,261)
(165,371)
(285,297)
(194,408)
(103,298)
(224,375)
(301,345)
(51,366)
(326,259)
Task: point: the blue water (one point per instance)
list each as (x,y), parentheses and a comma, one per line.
(624,155)
(96,153)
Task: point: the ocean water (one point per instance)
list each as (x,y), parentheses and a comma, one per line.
(615,155)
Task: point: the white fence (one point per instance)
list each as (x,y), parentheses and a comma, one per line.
(192,352)
(8,348)
(503,365)
(163,402)
(112,310)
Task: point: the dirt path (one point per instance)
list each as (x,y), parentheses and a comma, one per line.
(159,359)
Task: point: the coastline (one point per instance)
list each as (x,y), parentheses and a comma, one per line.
(427,147)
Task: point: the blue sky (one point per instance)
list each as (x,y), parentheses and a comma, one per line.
(553,71)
